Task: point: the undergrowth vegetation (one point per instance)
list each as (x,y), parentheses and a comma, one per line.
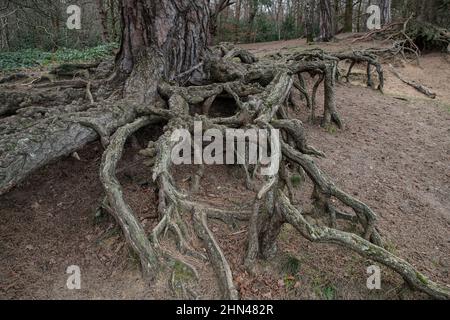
(32,58)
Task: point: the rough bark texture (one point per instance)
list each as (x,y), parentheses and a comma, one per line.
(103,20)
(175,30)
(385,6)
(309,20)
(348,19)
(115,202)
(30,141)
(326,20)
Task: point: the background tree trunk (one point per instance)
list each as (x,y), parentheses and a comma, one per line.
(237,17)
(385,6)
(309,20)
(326,20)
(426,10)
(4,44)
(348,20)
(103,20)
(253,10)
(113,16)
(278,17)
(359,13)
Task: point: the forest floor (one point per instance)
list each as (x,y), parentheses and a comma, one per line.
(394,154)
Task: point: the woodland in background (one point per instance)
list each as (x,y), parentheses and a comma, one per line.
(41,24)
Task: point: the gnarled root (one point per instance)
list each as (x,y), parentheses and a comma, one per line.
(260,91)
(131,227)
(365,248)
(421,88)
(216,256)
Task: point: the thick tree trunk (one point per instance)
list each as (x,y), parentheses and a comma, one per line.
(161,39)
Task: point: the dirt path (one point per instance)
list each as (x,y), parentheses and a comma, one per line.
(393,154)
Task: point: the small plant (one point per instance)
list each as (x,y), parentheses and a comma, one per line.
(181,273)
(323,288)
(291,265)
(296,180)
(99,216)
(331,129)
(289,282)
(329,292)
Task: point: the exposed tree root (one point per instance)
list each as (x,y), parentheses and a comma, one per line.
(14,77)
(13,100)
(410,36)
(260,90)
(73,69)
(131,227)
(28,143)
(370,60)
(216,256)
(365,248)
(422,89)
(326,189)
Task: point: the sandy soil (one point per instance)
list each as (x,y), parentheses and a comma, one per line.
(394,154)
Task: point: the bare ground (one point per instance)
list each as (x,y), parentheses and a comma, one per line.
(394,154)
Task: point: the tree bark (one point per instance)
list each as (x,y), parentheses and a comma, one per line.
(27,144)
(161,39)
(103,20)
(385,6)
(309,20)
(348,21)
(326,20)
(113,13)
(252,11)
(237,17)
